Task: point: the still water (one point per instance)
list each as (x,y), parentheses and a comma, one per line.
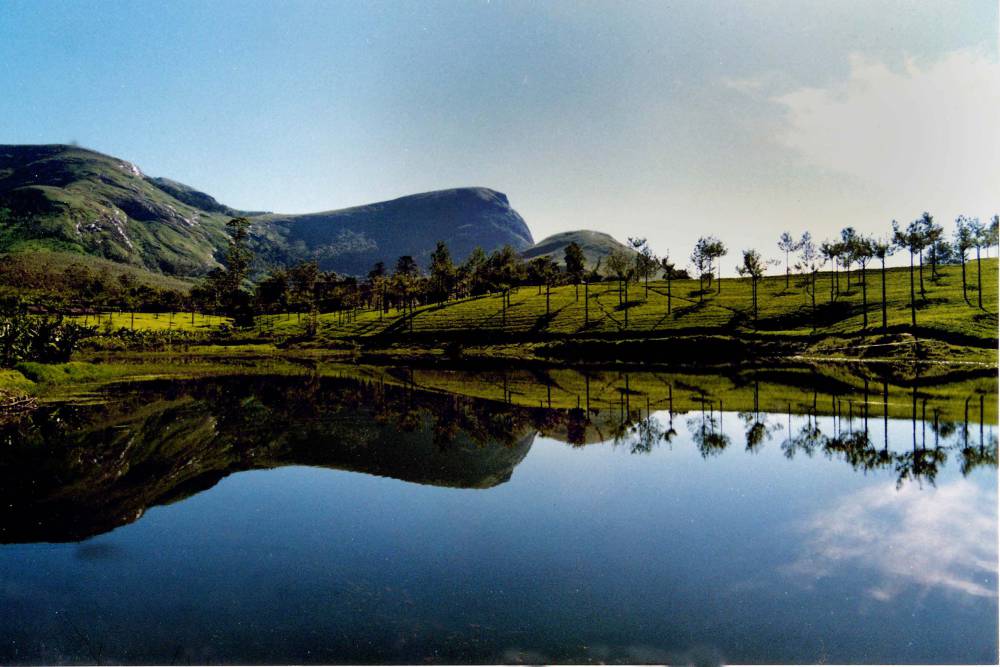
(332,521)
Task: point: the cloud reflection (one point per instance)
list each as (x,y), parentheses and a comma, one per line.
(931,538)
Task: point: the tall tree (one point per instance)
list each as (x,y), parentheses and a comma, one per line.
(645,261)
(831,250)
(700,260)
(810,261)
(442,272)
(788,245)
(575,265)
(920,233)
(911,239)
(753,267)
(405,280)
(669,273)
(981,236)
(848,244)
(933,236)
(883,249)
(620,266)
(862,251)
(302,280)
(964,241)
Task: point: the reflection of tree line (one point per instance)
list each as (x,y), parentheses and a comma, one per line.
(165,441)
(627,418)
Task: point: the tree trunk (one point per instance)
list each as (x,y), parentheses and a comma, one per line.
(913,295)
(979,278)
(788,272)
(668,294)
(923,292)
(965,294)
(546,300)
(884,313)
(586,304)
(864,297)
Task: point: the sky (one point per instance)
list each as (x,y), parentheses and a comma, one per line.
(666,120)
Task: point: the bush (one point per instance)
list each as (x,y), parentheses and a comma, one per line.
(28,338)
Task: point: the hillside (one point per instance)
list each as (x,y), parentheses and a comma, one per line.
(351,240)
(596,246)
(74,200)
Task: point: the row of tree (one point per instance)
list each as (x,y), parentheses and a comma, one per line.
(305,289)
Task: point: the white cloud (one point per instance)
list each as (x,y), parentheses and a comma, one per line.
(931,538)
(926,136)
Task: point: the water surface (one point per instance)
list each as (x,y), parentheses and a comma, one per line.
(283,520)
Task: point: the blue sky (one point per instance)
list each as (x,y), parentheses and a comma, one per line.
(660,119)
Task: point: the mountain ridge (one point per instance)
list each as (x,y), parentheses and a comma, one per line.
(72,199)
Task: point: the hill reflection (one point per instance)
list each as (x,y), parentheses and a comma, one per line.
(68,472)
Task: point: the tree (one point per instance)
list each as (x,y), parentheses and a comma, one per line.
(669,273)
(707,251)
(623,268)
(505,269)
(302,283)
(753,267)
(443,272)
(883,249)
(847,246)
(645,261)
(272,292)
(981,237)
(810,261)
(831,250)
(575,265)
(920,233)
(379,286)
(405,280)
(965,239)
(620,266)
(716,250)
(862,250)
(227,283)
(700,261)
(911,239)
(542,271)
(789,245)
(933,237)
(473,272)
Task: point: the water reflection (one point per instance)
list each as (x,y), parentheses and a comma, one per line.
(932,540)
(72,471)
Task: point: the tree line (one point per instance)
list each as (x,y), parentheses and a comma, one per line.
(304,289)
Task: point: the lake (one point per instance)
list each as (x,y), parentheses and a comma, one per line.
(394,518)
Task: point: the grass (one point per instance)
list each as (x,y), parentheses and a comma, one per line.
(180,321)
(785,313)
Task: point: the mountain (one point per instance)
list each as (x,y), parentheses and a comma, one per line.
(351,240)
(74,200)
(595,245)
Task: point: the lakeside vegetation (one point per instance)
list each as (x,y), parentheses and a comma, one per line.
(921,321)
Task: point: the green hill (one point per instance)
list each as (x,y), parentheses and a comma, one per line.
(73,200)
(596,246)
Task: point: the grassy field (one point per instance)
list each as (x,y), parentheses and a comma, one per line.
(951,329)
(181,321)
(782,312)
